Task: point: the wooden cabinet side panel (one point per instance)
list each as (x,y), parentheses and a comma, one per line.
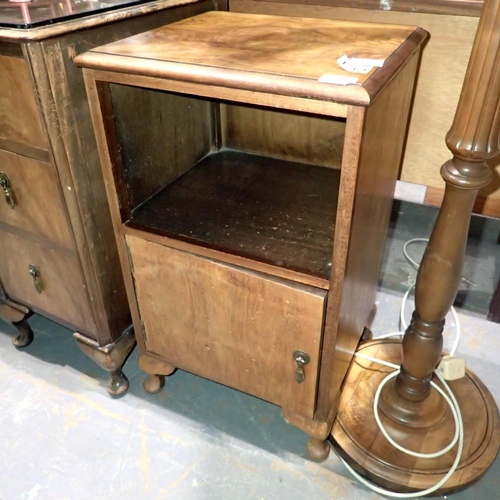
(374,173)
(160,137)
(236,327)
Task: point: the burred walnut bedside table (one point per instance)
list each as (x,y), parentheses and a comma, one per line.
(250,179)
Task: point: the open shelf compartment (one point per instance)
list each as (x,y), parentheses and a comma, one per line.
(278,212)
(252,182)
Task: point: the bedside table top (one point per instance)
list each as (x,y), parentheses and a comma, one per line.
(274,54)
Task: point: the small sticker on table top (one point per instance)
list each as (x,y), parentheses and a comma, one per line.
(358,65)
(337,79)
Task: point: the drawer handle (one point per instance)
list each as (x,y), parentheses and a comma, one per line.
(35,274)
(5,185)
(302,359)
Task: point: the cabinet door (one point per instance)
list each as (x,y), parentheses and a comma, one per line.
(233,326)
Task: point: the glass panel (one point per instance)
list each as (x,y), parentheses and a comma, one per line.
(28,14)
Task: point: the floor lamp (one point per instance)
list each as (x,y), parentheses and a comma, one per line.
(413,412)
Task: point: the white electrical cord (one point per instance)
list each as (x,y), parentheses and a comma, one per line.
(459,424)
(398,446)
(449,398)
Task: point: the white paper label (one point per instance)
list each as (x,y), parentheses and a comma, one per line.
(357,65)
(337,79)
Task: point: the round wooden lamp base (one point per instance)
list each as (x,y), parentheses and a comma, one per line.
(357,439)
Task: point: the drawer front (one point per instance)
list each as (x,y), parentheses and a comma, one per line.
(236,327)
(32,201)
(19,119)
(62,295)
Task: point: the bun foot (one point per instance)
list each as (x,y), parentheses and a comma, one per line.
(117,384)
(154,383)
(24,335)
(318,450)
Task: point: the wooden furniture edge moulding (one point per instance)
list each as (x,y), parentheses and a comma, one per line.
(412,410)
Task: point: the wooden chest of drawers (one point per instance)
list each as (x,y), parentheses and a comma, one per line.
(251,204)
(58,253)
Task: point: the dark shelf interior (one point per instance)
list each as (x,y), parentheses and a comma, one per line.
(273,211)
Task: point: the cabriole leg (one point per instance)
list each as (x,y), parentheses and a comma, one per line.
(16,315)
(111,358)
(24,335)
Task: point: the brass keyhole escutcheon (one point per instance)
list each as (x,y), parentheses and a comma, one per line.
(35,274)
(6,188)
(302,359)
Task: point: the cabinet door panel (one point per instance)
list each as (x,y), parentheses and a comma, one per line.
(38,207)
(62,290)
(237,327)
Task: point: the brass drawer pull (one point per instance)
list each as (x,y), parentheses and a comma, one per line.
(35,274)
(302,359)
(5,185)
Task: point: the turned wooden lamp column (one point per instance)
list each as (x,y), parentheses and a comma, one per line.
(473,139)
(413,413)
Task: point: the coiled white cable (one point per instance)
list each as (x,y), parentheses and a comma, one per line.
(458,423)
(398,446)
(449,398)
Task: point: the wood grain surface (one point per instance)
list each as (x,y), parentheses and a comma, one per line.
(230,202)
(153,140)
(19,118)
(227,324)
(446,54)
(230,258)
(39,208)
(373,152)
(296,53)
(61,281)
(293,136)
(485,204)
(304,49)
(64,106)
(359,440)
(244,200)
(316,106)
(413,413)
